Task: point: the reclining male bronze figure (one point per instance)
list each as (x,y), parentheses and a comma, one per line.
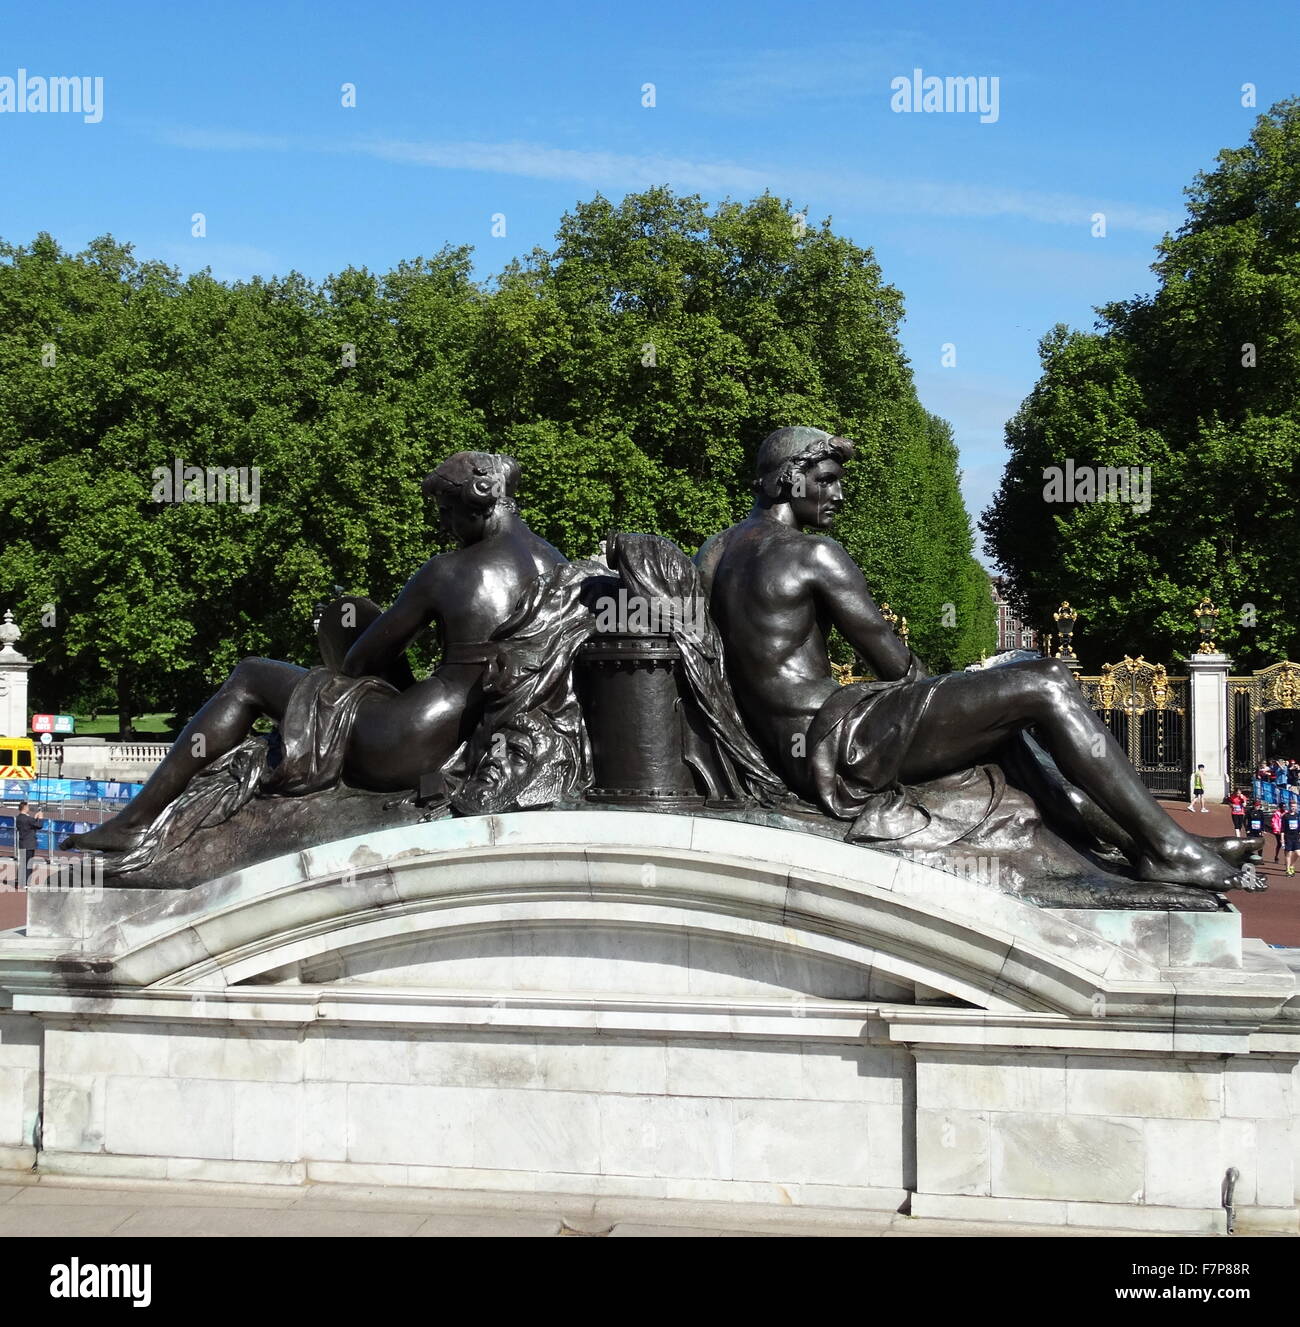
(775,592)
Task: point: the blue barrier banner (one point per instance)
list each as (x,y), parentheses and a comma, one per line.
(48,836)
(67,790)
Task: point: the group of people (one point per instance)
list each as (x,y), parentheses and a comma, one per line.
(1273,806)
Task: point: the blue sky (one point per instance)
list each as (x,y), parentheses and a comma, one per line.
(463,111)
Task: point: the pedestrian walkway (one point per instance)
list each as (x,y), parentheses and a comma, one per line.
(45,1205)
(1274,914)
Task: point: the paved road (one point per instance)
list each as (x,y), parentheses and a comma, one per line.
(1273,915)
(13,906)
(58,1205)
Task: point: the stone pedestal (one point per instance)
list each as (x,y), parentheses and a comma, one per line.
(1207,683)
(85,758)
(13,682)
(660,1006)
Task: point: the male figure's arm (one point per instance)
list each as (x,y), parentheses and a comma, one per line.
(707,559)
(842,591)
(385,640)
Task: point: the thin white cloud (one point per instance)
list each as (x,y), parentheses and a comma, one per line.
(950,199)
(615,170)
(229,262)
(225,140)
(583,167)
(1081,265)
(771,81)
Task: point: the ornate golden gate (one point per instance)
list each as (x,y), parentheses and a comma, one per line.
(1147,711)
(1263,718)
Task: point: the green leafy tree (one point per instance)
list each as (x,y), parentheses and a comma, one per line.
(661,341)
(1200,381)
(633,370)
(332,400)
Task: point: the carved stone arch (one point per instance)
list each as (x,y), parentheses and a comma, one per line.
(810,917)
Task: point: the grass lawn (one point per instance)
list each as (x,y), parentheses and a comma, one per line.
(106,725)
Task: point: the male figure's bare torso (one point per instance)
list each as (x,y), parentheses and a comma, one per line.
(757,575)
(762,579)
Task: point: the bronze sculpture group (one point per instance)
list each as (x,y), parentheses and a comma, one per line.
(655,681)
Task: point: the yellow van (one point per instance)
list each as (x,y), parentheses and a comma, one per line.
(17,758)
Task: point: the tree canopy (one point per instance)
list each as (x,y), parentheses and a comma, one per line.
(1199,380)
(632,369)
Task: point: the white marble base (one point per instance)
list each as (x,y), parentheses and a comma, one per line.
(1167,939)
(655,1006)
(1045,1212)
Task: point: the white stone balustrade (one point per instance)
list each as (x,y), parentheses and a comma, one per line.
(96,758)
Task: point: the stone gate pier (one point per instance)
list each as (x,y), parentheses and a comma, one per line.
(664,1005)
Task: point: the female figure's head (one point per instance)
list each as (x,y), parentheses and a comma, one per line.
(475,493)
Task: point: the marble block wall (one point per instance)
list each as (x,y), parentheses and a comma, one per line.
(663,1006)
(759,1119)
(20,1066)
(1127,1140)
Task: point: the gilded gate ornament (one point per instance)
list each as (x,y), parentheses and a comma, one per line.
(895,620)
(1206,615)
(1126,693)
(1276,687)
(1281,686)
(1133,685)
(1105,690)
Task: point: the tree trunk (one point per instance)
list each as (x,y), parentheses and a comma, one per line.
(124,706)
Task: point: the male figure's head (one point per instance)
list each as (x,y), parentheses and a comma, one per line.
(22,806)
(803,469)
(474,491)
